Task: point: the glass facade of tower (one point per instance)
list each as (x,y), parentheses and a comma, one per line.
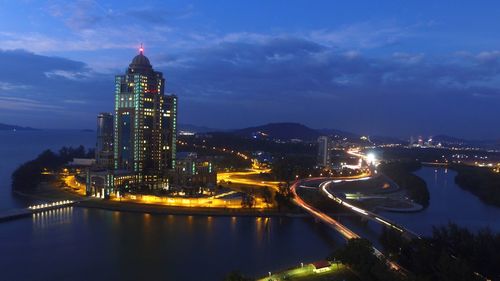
(104,144)
(145,123)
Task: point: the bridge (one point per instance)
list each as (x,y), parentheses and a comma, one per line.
(408,234)
(343,230)
(33,209)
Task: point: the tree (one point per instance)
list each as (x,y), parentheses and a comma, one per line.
(247,200)
(267,195)
(359,254)
(235,276)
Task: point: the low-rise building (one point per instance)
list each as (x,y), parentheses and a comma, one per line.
(192,171)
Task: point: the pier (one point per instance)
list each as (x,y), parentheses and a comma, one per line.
(33,209)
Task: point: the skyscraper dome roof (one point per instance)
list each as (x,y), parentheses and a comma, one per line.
(140,61)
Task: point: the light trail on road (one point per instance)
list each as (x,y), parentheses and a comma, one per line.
(347,233)
(365,213)
(343,230)
(242,178)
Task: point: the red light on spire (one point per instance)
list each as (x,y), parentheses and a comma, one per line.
(141,50)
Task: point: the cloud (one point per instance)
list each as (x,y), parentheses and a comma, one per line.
(258,78)
(285,78)
(282,66)
(52,85)
(23,67)
(363,35)
(6,86)
(408,58)
(71,75)
(23,104)
(79,14)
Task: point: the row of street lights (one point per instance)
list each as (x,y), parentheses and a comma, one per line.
(50,205)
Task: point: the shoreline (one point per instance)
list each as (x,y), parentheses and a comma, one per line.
(183,211)
(47,191)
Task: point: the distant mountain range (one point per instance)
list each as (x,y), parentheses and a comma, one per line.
(6,127)
(449,141)
(197,129)
(286,131)
(335,132)
(282,131)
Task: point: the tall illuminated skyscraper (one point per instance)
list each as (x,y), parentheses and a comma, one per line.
(145,123)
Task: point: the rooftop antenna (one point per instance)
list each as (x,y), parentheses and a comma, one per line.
(141,49)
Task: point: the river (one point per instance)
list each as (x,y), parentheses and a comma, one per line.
(448,203)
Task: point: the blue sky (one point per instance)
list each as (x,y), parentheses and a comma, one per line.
(394,68)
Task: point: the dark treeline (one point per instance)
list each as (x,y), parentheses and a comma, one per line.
(29,175)
(287,167)
(402,173)
(452,253)
(236,276)
(482,182)
(428,154)
(359,255)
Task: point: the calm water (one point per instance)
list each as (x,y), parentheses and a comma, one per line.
(449,203)
(21,146)
(85,244)
(90,244)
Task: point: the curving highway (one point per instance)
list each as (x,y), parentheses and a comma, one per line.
(346,232)
(343,230)
(324,187)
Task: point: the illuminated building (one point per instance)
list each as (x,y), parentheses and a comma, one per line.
(144,133)
(104,144)
(170,108)
(323,151)
(145,123)
(192,171)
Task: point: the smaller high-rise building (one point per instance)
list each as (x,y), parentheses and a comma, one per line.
(104,144)
(323,151)
(170,119)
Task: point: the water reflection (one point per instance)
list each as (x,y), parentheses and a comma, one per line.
(154,246)
(42,220)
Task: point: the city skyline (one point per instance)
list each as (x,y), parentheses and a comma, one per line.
(384,70)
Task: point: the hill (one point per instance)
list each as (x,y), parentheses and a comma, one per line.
(6,127)
(281,131)
(197,129)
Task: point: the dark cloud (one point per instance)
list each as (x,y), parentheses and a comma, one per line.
(299,80)
(51,86)
(235,84)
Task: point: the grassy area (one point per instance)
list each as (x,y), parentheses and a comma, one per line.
(402,173)
(306,273)
(376,185)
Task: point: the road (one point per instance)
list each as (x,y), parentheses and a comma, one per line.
(245,178)
(324,187)
(343,230)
